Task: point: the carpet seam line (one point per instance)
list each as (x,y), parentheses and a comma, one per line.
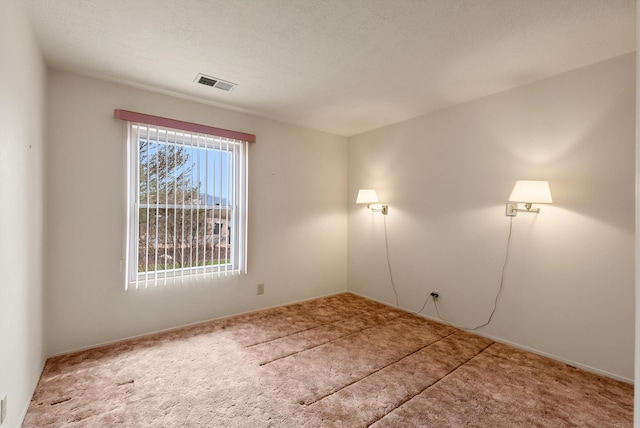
(382,368)
(329,341)
(434,383)
(310,328)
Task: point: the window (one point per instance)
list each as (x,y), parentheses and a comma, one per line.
(187,205)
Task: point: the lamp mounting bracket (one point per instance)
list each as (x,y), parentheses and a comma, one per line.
(379,208)
(513,209)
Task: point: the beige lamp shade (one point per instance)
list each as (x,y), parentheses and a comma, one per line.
(531,191)
(367,196)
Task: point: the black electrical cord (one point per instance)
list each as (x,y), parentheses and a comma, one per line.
(430,296)
(495,302)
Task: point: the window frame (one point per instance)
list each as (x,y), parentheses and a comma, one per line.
(236,208)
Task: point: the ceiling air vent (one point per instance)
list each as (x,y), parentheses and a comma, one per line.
(214,82)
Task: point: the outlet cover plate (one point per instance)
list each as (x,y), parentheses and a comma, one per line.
(260,289)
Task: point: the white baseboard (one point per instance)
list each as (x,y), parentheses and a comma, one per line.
(138,336)
(518,345)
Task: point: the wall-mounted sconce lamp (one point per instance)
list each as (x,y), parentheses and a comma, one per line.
(370,197)
(528,192)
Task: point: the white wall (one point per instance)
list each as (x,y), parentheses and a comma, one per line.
(569,287)
(22,100)
(297,217)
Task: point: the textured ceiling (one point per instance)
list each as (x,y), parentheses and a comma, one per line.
(341,66)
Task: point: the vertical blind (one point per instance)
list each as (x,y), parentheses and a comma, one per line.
(187,205)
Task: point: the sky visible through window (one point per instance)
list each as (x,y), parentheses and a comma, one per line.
(170,172)
(213,180)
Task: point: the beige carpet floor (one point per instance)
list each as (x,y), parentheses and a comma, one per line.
(339,361)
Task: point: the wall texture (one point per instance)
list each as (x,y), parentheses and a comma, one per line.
(297,221)
(569,284)
(22,101)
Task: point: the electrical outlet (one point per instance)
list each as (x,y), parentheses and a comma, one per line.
(260,289)
(435,295)
(3,409)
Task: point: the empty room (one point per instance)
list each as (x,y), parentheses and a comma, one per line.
(281,213)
